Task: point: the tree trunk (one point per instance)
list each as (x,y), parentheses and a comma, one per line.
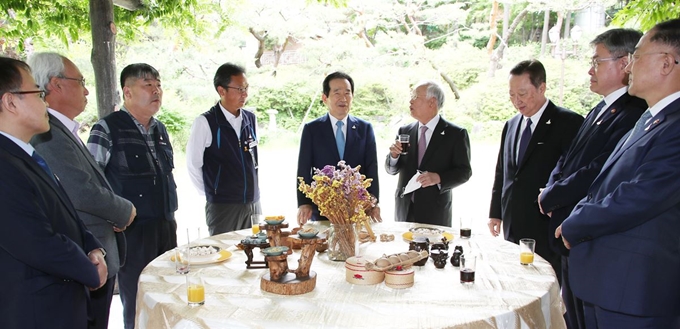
(496,57)
(492,27)
(260,46)
(544,34)
(506,19)
(567,25)
(104,55)
(448,80)
(278,51)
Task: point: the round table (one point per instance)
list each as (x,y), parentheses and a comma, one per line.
(505,294)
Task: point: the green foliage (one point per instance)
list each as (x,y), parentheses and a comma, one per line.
(647,13)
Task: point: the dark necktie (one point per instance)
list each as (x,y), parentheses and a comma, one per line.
(596,112)
(43,164)
(524,142)
(340,139)
(422,144)
(639,125)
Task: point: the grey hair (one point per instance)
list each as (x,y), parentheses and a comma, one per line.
(434,89)
(619,42)
(45,66)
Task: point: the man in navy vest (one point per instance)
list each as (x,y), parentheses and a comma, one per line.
(222,155)
(134,151)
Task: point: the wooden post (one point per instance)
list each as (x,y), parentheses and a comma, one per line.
(104,54)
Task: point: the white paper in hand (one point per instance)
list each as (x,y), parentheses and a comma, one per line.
(413,183)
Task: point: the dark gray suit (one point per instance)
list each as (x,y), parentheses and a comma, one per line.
(447,154)
(97,206)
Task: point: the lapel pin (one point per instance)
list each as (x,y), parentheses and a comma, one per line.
(655,121)
(354,127)
(547,122)
(613,111)
(442,133)
(599,122)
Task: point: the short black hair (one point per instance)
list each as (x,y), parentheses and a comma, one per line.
(534,68)
(225,72)
(333,76)
(668,33)
(138,71)
(10,74)
(619,42)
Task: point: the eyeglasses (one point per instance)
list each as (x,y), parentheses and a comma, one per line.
(633,57)
(41,93)
(239,89)
(595,62)
(82,81)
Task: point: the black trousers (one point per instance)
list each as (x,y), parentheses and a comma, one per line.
(229,217)
(145,241)
(574,316)
(100,305)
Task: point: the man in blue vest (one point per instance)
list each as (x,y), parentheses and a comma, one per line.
(222,155)
(134,151)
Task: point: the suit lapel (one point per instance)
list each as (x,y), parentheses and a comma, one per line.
(59,125)
(327,134)
(653,123)
(33,166)
(352,137)
(513,138)
(540,131)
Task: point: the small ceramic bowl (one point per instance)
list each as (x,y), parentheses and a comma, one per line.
(275,251)
(308,233)
(274,221)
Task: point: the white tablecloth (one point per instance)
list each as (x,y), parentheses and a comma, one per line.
(504,295)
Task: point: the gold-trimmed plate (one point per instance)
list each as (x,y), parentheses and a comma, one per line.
(408,236)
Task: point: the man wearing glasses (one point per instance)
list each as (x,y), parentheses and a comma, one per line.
(104,213)
(48,257)
(134,151)
(624,236)
(612,118)
(222,155)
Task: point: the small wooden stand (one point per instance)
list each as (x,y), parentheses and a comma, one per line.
(248,249)
(283,281)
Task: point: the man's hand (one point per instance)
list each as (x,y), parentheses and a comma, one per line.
(97,259)
(558,234)
(304,214)
(495,226)
(395,149)
(133,214)
(375,214)
(427,179)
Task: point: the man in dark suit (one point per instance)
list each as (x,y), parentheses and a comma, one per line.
(48,257)
(333,137)
(613,117)
(439,151)
(104,213)
(531,144)
(624,236)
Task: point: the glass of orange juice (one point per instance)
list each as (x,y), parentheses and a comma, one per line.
(195,289)
(526,251)
(255,221)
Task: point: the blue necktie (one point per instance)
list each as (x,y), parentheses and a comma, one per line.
(340,139)
(639,125)
(43,164)
(524,142)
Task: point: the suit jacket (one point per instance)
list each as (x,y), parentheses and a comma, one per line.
(84,182)
(318,149)
(43,248)
(516,185)
(625,235)
(447,154)
(578,167)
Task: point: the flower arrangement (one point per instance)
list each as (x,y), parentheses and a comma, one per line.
(342,196)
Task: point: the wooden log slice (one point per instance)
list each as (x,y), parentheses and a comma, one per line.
(289,284)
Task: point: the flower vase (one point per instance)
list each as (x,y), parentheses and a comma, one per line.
(342,240)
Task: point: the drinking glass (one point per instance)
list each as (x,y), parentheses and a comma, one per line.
(182,259)
(468,264)
(465,227)
(526,251)
(255,221)
(404,140)
(195,289)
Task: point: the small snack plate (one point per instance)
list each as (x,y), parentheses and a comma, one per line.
(408,236)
